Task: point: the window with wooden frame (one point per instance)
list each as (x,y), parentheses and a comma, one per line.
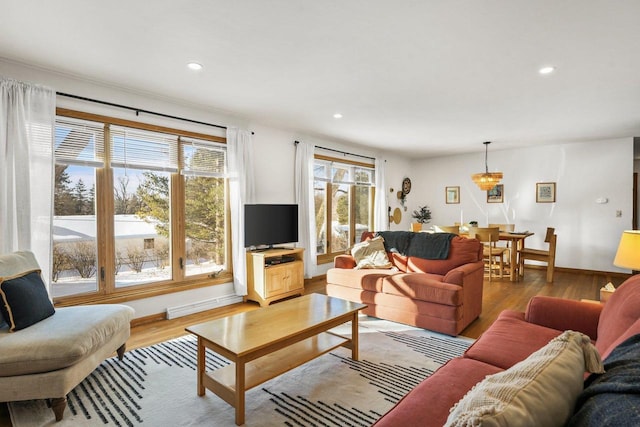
(139,210)
(343,197)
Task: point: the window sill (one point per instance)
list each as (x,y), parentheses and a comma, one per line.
(141,291)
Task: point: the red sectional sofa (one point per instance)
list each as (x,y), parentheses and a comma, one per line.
(515,335)
(443,295)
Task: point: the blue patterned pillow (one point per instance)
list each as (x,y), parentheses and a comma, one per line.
(612,398)
(24,300)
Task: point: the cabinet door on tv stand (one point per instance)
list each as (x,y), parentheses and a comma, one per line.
(275,277)
(295,277)
(284,278)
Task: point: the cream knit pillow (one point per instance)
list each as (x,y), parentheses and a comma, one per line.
(538,391)
(371,254)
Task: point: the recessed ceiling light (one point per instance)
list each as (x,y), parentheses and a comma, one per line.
(194,66)
(337,116)
(546,70)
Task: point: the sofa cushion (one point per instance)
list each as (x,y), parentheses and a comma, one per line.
(24,300)
(368,279)
(619,313)
(428,404)
(612,398)
(424,287)
(398,261)
(519,396)
(461,251)
(370,254)
(79,332)
(633,330)
(510,340)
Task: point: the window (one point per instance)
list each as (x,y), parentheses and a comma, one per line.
(138,209)
(204,207)
(343,198)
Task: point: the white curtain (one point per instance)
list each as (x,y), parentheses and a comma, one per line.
(27,122)
(381,210)
(304,198)
(241,191)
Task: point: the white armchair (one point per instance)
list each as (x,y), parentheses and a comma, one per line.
(49,358)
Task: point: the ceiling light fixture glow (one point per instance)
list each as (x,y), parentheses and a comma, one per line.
(546,70)
(337,116)
(194,66)
(486,180)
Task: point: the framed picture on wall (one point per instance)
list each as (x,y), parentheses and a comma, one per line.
(496,194)
(452,195)
(545,192)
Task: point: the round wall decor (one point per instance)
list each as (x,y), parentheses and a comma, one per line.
(397,215)
(406,186)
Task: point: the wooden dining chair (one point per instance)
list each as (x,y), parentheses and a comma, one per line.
(543,255)
(504,227)
(507,244)
(453,229)
(492,253)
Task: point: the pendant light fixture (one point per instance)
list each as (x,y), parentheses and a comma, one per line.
(486,180)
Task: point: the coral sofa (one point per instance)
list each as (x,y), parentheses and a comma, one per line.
(443,294)
(612,398)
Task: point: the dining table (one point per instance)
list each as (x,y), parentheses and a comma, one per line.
(517,243)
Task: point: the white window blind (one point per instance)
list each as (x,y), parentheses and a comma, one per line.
(79,142)
(141,149)
(203,158)
(343,173)
(364,176)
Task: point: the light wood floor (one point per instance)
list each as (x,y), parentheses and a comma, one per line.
(498,295)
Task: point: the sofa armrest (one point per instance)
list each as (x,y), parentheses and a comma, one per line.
(458,275)
(563,314)
(344,261)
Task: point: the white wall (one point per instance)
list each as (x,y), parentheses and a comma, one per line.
(588,232)
(275,160)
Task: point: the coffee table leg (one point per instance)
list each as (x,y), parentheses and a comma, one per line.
(201,366)
(354,337)
(240,392)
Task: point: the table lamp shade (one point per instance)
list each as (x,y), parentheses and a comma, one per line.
(628,255)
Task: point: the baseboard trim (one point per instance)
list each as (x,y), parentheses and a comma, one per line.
(579,271)
(148,319)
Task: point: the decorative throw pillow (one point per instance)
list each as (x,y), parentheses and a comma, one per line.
(370,254)
(24,300)
(538,391)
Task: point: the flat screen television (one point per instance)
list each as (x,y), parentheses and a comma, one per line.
(270,224)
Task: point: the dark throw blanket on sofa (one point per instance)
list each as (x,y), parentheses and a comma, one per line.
(421,245)
(612,398)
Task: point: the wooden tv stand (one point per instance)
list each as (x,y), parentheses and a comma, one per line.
(274,274)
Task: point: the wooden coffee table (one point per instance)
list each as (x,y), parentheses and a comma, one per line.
(267,342)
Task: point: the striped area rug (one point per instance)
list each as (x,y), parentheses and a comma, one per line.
(156,386)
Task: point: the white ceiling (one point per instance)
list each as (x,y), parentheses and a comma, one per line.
(429,77)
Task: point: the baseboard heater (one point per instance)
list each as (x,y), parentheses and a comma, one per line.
(196,307)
